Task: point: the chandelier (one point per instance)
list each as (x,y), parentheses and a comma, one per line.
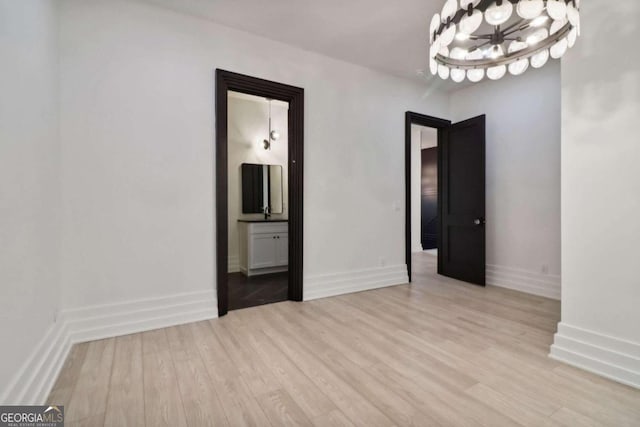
(474,38)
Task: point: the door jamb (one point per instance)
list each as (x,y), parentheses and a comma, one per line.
(226,81)
(427,121)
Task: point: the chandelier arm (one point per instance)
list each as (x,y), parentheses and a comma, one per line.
(507,59)
(480,46)
(504,31)
(515,30)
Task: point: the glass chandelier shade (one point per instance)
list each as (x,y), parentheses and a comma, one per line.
(476,38)
(557,9)
(498,14)
(530,9)
(470,23)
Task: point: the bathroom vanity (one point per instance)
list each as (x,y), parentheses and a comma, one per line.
(264,246)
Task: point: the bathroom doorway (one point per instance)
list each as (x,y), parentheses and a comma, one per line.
(259,165)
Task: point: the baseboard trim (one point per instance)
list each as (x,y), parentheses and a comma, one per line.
(328,285)
(233,264)
(545,285)
(604,355)
(112,320)
(35,379)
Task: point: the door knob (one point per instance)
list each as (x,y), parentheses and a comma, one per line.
(478,221)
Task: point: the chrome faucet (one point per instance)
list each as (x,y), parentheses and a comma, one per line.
(267,212)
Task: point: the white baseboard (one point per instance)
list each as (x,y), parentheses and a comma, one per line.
(604,355)
(233,264)
(328,285)
(531,282)
(111,320)
(34,380)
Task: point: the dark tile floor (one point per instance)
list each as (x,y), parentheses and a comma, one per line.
(257,290)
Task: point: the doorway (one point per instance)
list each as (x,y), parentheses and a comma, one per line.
(259,167)
(424,190)
(454,217)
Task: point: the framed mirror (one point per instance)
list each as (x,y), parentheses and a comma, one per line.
(261,188)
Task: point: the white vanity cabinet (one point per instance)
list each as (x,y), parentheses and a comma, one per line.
(264,247)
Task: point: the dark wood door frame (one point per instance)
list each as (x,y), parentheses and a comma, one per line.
(427,121)
(226,81)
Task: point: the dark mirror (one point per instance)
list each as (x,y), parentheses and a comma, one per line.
(261,188)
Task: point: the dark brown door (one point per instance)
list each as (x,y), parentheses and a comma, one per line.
(461,201)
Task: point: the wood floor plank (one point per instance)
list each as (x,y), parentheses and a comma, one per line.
(301,389)
(89,398)
(66,382)
(238,402)
(259,379)
(332,419)
(162,398)
(437,352)
(569,418)
(281,409)
(359,410)
(510,407)
(240,405)
(181,343)
(95,420)
(199,398)
(125,402)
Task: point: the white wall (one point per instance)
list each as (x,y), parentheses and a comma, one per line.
(601,194)
(137,123)
(248,126)
(421,138)
(29,182)
(523,176)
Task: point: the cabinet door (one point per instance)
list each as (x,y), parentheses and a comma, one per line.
(282,249)
(263,251)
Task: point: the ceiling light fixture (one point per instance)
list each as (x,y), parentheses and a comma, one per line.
(514,34)
(273,134)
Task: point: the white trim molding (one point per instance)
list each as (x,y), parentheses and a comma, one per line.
(34,380)
(531,282)
(601,354)
(233,264)
(328,285)
(111,320)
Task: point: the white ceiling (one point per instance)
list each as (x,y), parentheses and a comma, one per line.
(386,35)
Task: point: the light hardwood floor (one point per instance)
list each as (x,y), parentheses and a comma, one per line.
(435,353)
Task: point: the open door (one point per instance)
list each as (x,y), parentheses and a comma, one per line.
(461,201)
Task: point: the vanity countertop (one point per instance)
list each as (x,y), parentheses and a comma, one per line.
(263,220)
